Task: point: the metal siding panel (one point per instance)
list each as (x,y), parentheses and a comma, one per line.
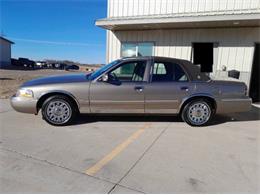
(115,47)
(151,7)
(195,4)
(125,8)
(118,51)
(249,58)
(215,5)
(135,5)
(146,7)
(157,9)
(230,5)
(115,8)
(120,8)
(208,5)
(107,46)
(188,6)
(181,6)
(168,6)
(130,7)
(173,44)
(111,47)
(235,48)
(222,5)
(178,43)
(163,9)
(254,4)
(140,7)
(111,11)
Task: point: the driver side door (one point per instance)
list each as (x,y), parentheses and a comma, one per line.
(122,92)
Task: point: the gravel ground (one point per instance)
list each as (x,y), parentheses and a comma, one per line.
(10,80)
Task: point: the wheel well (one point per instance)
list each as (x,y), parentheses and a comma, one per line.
(211,100)
(46,96)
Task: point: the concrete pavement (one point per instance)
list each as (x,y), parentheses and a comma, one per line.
(167,156)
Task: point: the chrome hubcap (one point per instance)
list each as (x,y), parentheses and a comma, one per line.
(199,113)
(58,112)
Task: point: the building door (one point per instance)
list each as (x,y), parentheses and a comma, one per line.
(255,83)
(203,55)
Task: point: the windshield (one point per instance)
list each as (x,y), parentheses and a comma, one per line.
(103,69)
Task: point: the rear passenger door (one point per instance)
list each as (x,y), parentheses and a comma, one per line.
(169,84)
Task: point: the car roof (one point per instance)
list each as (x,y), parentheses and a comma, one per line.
(194,71)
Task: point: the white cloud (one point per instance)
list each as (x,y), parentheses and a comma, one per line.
(54,42)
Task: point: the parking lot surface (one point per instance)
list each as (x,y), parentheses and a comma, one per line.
(102,154)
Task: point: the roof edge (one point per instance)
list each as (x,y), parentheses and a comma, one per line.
(6,40)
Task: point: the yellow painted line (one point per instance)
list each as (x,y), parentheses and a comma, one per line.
(117,150)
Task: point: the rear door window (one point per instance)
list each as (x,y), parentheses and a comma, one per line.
(168,72)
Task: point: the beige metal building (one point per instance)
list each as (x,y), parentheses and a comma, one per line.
(5,52)
(221,35)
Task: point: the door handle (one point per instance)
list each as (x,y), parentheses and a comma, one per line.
(185,88)
(139,88)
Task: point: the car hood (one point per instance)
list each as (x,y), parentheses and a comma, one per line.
(56,79)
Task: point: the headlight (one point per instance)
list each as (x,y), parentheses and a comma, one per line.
(24,93)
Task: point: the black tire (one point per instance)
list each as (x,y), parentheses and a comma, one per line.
(59,110)
(204,112)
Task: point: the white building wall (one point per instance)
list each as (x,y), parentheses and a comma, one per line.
(235,45)
(5,52)
(124,8)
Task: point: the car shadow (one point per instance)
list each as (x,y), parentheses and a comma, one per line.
(86,118)
(252,115)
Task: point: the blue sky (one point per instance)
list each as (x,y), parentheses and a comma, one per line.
(55,29)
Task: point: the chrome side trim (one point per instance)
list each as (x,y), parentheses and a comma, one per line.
(162,101)
(115,102)
(234,100)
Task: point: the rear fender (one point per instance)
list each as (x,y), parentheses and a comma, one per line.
(193,96)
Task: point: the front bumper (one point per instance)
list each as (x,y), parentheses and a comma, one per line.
(234,105)
(23,104)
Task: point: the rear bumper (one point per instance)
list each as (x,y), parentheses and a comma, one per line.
(23,104)
(234,105)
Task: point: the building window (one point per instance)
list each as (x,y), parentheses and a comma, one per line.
(137,49)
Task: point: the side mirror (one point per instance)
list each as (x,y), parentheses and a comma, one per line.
(104,78)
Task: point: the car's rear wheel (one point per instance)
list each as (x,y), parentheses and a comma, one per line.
(59,110)
(197,112)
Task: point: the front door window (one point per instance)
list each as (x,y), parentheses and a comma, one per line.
(129,71)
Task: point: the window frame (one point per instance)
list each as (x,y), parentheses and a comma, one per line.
(136,46)
(146,72)
(166,61)
(130,62)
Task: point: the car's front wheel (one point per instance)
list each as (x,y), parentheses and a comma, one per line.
(59,110)
(197,112)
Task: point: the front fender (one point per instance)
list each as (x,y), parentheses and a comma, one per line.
(47,94)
